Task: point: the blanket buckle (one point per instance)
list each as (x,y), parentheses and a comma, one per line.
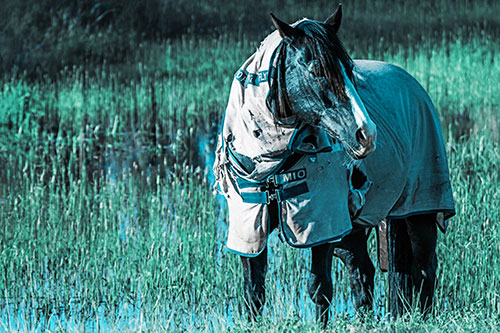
(271,196)
(271,181)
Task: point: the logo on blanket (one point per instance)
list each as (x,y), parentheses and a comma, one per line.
(255,79)
(292,176)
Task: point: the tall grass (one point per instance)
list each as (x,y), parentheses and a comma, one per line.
(107,220)
(150,251)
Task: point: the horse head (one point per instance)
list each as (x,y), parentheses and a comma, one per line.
(315,76)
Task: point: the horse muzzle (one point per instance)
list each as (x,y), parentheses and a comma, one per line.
(366,138)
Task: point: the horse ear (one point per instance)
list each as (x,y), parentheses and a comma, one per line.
(335,19)
(286,31)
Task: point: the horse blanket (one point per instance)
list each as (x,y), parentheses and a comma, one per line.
(408,169)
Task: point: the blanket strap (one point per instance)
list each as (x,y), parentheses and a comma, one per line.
(265,197)
(272,188)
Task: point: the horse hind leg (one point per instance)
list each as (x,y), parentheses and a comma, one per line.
(422,231)
(353,251)
(254,275)
(412,262)
(400,258)
(320,285)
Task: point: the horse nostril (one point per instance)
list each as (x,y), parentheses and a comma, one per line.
(361,135)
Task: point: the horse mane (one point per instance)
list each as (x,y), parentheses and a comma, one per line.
(277,99)
(323,45)
(326,47)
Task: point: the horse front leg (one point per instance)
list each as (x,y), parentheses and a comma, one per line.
(320,285)
(254,275)
(353,251)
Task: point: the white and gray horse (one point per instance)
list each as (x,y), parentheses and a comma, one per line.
(387,126)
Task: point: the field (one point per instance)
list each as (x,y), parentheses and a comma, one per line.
(107,216)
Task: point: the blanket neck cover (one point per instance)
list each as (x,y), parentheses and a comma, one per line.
(251,152)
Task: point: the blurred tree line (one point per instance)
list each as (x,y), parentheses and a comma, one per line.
(44,36)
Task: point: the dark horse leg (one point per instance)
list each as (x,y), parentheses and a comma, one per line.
(320,281)
(254,275)
(412,262)
(353,251)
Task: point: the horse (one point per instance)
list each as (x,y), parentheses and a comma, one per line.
(397,171)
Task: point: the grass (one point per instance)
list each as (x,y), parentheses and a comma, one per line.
(107,220)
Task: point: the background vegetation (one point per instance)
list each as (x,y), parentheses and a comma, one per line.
(107,118)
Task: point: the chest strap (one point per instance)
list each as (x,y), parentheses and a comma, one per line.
(272,188)
(280,194)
